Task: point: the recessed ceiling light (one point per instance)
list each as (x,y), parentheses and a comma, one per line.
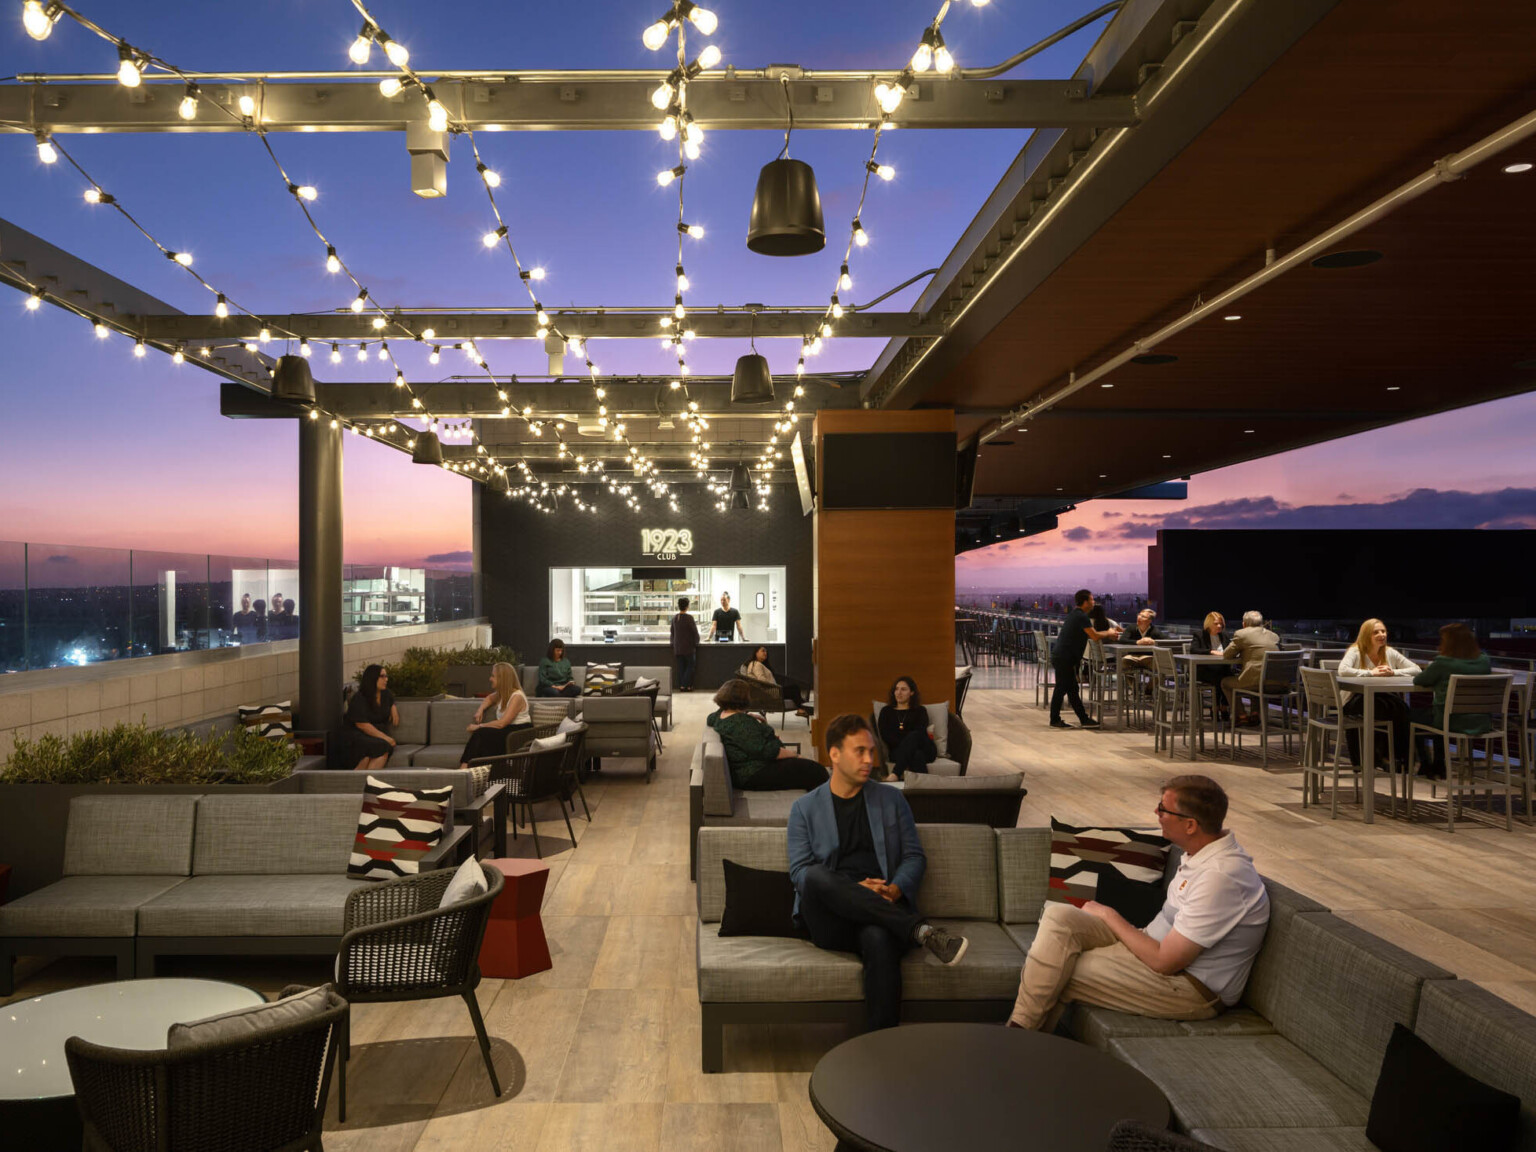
(1394,387)
(1234,316)
(1058,489)
(1167,457)
(1353,258)
(1103,475)
(1248,431)
(1106,385)
(999,443)
(1522,166)
(1153,358)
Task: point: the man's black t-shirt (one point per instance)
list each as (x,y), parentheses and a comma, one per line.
(725,623)
(856,857)
(1073,640)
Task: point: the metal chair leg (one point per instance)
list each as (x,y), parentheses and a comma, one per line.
(485,1041)
(342,1056)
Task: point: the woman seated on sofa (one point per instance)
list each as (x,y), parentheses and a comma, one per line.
(508,708)
(371,713)
(758,760)
(904,728)
(555,672)
(1459,655)
(757,669)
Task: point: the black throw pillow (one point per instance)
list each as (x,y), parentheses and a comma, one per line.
(1136,900)
(1424,1103)
(758,903)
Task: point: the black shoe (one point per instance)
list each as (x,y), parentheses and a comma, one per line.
(1060,724)
(1090,724)
(948,948)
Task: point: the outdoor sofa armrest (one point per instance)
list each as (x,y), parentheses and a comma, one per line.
(445,856)
(959,742)
(484,800)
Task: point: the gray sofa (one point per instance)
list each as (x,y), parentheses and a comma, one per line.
(474,799)
(661,673)
(620,726)
(1292,1067)
(146,876)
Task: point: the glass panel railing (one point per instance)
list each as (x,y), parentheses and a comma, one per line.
(237,600)
(77,605)
(13,606)
(170,602)
(450,595)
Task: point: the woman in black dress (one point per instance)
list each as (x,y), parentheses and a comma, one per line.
(904,727)
(370,716)
(506,707)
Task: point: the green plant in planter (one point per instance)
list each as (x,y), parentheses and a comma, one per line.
(418,672)
(138,754)
(469,654)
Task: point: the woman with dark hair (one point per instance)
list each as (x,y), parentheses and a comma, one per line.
(555,672)
(758,669)
(904,728)
(1459,655)
(758,760)
(370,715)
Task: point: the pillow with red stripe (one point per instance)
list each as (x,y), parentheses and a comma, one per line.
(396,828)
(1134,862)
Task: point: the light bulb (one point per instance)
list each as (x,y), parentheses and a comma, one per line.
(178,357)
(93,195)
(860,237)
(889,96)
(826,330)
(678,310)
(332,261)
(653,37)
(182,258)
(922,59)
(662,96)
(837,309)
(696,231)
(709,57)
(799,391)
(884,171)
(362,298)
(221,308)
(489,239)
(943,62)
(130,70)
(704,20)
(362,353)
(574,344)
(390,87)
(102,331)
(844,281)
(492,179)
(307,192)
(138,349)
(247,106)
(437,116)
(692,132)
(435,356)
(361,48)
(541,332)
(668,128)
(978,3)
(399,379)
(378,323)
(675,384)
(692,150)
(397,54)
(265,335)
(335,354)
(46,152)
(383,351)
(249,346)
(38,20)
(664,178)
(304,349)
(188,106)
(682,279)
(35,301)
(536,273)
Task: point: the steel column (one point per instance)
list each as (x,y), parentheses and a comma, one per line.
(320,663)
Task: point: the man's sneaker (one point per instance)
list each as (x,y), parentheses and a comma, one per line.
(1060,724)
(1090,723)
(947,947)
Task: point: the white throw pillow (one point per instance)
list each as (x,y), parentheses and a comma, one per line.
(469,881)
(645,684)
(549,743)
(568,725)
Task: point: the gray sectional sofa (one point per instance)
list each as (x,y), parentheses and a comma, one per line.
(661,673)
(1292,1067)
(146,876)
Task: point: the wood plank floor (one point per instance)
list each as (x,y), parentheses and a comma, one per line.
(603,1050)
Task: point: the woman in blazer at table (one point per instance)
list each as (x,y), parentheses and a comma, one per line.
(1213,640)
(1370,655)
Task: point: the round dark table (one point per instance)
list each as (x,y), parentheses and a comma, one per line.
(977,1087)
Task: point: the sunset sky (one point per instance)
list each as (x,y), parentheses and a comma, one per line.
(107,450)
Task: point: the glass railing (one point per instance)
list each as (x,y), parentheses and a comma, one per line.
(63,604)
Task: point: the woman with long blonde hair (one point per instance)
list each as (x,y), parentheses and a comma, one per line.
(1370,655)
(509,706)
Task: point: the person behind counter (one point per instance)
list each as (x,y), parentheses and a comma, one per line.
(758,669)
(725,624)
(904,728)
(758,760)
(555,672)
(509,708)
(685,645)
(370,715)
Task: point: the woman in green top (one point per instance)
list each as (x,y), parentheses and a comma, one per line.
(1459,655)
(555,672)
(759,761)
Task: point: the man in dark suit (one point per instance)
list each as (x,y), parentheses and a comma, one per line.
(856,864)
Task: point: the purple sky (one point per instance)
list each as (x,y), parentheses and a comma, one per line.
(108,450)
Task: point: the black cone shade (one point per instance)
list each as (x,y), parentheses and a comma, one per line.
(786,211)
(497,482)
(752,382)
(293,381)
(741,487)
(428,449)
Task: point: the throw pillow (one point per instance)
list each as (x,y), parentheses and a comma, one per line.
(1080,857)
(396,828)
(272,722)
(549,743)
(1424,1103)
(549,711)
(569,725)
(602,679)
(468,881)
(758,903)
(646,683)
(249,1022)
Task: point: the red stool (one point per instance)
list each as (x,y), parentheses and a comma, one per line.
(514,943)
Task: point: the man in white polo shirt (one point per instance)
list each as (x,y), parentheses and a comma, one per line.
(1190,962)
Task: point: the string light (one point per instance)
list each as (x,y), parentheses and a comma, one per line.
(130,67)
(188,106)
(35,299)
(46,152)
(39,19)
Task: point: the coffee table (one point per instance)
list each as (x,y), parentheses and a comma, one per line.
(36,1094)
(942,1087)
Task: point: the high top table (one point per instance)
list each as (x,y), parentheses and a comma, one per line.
(1368,687)
(1189,663)
(977,1087)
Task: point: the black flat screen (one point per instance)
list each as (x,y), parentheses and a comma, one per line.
(888,470)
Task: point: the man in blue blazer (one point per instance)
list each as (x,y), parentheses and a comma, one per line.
(856,864)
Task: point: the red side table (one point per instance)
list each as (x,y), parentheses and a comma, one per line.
(514,943)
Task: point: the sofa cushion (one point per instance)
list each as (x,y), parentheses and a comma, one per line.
(412,728)
(752,847)
(752,969)
(1243,1082)
(1286,1139)
(989,970)
(1484,1036)
(549,710)
(758,902)
(438,756)
(462,782)
(129,836)
(1099,1026)
(396,827)
(250,1023)
(1081,856)
(1023,935)
(83,906)
(272,722)
(263,835)
(767,809)
(448,721)
(661,673)
(548,743)
(961,878)
(250,906)
(1424,1103)
(1237,1021)
(1267,981)
(602,679)
(1024,873)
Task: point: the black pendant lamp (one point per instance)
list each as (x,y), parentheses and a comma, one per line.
(497,482)
(293,382)
(786,211)
(428,449)
(752,382)
(741,487)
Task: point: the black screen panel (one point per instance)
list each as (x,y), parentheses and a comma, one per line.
(888,470)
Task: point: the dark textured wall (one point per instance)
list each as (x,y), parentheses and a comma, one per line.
(517,547)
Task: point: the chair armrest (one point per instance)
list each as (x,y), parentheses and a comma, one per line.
(446,854)
(959,742)
(527,754)
(484,800)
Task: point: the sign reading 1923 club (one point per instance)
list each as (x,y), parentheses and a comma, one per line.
(666,543)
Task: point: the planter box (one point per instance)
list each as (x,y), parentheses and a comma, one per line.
(33,818)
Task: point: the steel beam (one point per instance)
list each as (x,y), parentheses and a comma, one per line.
(554,102)
(589,323)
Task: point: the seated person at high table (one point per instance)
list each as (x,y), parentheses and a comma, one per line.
(1190,962)
(1141,633)
(856,864)
(759,669)
(1213,640)
(1370,655)
(1249,643)
(1458,655)
(555,673)
(905,730)
(757,759)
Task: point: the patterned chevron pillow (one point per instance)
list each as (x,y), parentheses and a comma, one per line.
(269,721)
(546,711)
(396,828)
(1120,867)
(602,679)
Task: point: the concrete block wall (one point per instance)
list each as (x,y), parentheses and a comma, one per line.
(191,686)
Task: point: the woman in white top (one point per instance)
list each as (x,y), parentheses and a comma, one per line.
(1370,655)
(510,705)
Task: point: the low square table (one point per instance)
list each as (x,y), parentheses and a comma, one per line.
(515,945)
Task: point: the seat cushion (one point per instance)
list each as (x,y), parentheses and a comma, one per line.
(438,756)
(1100,1026)
(83,906)
(1243,1082)
(129,836)
(988,971)
(548,710)
(1023,935)
(767,809)
(1286,1139)
(293,834)
(755,969)
(250,906)
(1237,1021)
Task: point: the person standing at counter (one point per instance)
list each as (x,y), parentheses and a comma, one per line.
(726,622)
(685,645)
(555,672)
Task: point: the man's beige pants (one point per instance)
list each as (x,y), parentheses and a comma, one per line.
(1075,956)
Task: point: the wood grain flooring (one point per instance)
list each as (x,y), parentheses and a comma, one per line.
(602,1051)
